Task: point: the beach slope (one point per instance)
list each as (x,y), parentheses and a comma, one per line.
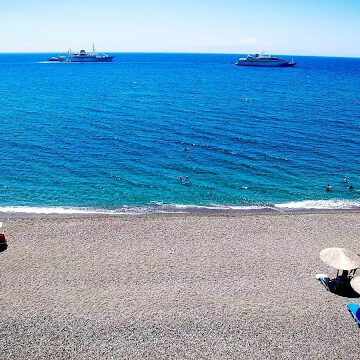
(179,287)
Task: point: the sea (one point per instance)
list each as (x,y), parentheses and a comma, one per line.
(163,133)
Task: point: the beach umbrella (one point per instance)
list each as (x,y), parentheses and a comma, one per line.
(339,258)
(355,284)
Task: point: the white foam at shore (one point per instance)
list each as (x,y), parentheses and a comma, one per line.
(158,207)
(320,205)
(51,210)
(219,207)
(82,211)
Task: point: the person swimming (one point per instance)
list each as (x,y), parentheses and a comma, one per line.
(345,180)
(351,187)
(328,187)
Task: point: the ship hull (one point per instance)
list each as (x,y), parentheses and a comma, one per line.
(91,60)
(265,64)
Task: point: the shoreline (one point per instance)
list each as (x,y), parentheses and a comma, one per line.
(194,212)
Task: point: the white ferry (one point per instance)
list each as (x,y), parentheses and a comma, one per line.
(83,56)
(264,60)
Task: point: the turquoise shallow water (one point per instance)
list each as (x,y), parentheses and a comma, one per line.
(112,136)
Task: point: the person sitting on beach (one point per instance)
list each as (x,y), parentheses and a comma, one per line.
(344,276)
(328,187)
(339,283)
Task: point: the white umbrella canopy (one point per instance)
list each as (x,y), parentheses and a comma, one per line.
(340,258)
(355,284)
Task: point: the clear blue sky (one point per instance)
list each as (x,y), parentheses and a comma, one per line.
(301,27)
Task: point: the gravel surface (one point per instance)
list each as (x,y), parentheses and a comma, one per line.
(175,287)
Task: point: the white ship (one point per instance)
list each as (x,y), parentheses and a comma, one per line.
(83,56)
(264,60)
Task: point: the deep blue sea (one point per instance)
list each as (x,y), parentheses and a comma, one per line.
(111,137)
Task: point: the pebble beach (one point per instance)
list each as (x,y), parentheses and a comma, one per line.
(222,286)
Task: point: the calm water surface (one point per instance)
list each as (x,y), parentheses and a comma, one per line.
(112,136)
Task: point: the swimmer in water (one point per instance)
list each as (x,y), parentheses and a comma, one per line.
(180,178)
(187,178)
(186,149)
(328,187)
(351,187)
(345,180)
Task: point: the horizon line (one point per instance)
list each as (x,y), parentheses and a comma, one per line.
(177,52)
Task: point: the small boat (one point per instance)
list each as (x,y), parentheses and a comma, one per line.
(264,60)
(58,58)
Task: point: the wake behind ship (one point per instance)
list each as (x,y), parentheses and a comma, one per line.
(82,56)
(263,60)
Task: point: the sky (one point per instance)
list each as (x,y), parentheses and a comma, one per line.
(293,27)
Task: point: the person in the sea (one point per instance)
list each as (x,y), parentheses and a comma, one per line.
(345,180)
(186,178)
(328,187)
(351,187)
(180,178)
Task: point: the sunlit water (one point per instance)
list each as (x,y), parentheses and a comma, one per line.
(111,137)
